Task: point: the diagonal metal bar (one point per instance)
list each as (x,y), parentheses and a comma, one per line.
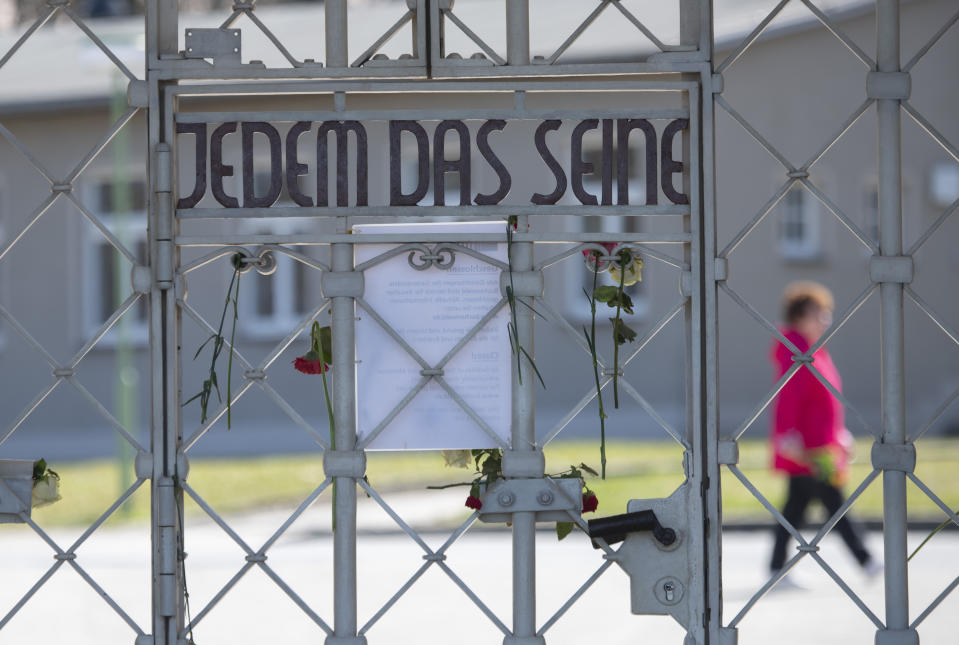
(935,226)
(27,411)
(761,319)
(395,597)
(291,59)
(770,396)
(33,342)
(849,592)
(751,38)
(295,515)
(385,38)
(933,315)
(760,139)
(472,596)
(576,335)
(930,130)
(448,13)
(15,142)
(935,416)
(574,411)
(216,518)
(838,214)
(929,45)
(104,328)
(106,414)
(757,218)
(95,151)
(471,412)
(106,514)
(935,603)
(851,121)
(639,25)
(30,592)
(575,597)
(48,13)
(231,19)
(654,330)
(212,419)
(935,498)
(106,597)
(388,419)
(579,31)
(651,411)
(793,531)
(772,582)
(838,33)
(393,334)
(846,403)
(841,512)
(36,215)
(295,597)
(36,527)
(395,517)
(106,232)
(99,43)
(218,597)
(471,334)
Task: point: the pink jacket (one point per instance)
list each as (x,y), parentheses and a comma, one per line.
(806,415)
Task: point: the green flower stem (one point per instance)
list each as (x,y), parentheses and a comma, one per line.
(229,365)
(619,308)
(329,413)
(599,390)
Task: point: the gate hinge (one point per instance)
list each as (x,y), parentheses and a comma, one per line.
(221,46)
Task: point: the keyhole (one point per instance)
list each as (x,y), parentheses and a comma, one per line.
(668,588)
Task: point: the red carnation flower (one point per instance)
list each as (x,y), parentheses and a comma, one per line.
(474,502)
(590,502)
(310,365)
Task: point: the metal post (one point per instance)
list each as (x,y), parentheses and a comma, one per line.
(893,381)
(337,51)
(344,406)
(517,28)
(523,438)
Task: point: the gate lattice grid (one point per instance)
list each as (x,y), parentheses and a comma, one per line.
(161,283)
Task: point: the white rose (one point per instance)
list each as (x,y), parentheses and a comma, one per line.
(45,491)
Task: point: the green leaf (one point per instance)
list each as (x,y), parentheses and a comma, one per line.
(622,300)
(589,470)
(622,333)
(606,293)
(532,364)
(563,529)
(326,344)
(39,467)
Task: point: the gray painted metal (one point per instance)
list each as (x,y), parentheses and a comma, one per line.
(686,67)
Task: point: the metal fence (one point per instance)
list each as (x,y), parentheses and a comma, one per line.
(207,80)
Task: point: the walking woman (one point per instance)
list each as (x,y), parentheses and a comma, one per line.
(809,438)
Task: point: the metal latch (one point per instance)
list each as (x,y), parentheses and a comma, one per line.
(659,547)
(222,46)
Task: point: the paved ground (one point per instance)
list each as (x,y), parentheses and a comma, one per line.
(434,610)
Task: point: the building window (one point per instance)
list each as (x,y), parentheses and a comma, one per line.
(121,206)
(799,226)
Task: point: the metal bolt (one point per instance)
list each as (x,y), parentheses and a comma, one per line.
(506,498)
(669,588)
(545,497)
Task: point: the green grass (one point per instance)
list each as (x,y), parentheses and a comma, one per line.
(635,470)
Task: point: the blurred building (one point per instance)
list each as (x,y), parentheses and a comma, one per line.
(60,93)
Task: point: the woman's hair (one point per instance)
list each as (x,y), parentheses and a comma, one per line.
(799,298)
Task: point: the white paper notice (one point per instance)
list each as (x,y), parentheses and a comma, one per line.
(432,310)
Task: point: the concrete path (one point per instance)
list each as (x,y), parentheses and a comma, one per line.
(435,610)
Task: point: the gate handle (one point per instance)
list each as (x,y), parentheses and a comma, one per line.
(614,528)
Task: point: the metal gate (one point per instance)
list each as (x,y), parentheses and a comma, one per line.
(197,91)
